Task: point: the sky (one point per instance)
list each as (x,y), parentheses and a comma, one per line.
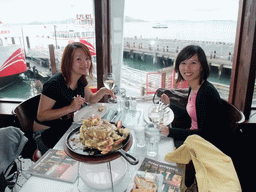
(17,11)
(160,10)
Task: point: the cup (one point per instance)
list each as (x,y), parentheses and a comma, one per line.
(121,99)
(140,136)
(152,137)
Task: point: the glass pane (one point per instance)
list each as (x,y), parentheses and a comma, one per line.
(154,35)
(31,32)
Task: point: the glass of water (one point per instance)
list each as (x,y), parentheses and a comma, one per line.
(152,137)
(140,136)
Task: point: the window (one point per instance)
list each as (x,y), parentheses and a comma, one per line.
(64,22)
(241,89)
(154,35)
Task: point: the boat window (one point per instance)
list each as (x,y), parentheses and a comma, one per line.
(151,42)
(13,41)
(37,35)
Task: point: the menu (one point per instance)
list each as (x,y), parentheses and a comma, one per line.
(156,176)
(55,164)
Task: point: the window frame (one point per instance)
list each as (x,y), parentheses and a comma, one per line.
(244,65)
(244,60)
(102,33)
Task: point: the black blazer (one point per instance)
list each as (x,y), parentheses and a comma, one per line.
(211,118)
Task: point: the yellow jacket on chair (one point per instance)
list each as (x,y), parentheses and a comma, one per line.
(215,171)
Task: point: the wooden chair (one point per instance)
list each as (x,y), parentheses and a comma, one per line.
(236,116)
(26,112)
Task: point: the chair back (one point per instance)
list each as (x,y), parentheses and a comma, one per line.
(26,113)
(236,116)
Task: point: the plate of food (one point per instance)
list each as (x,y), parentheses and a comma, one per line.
(146,181)
(97,109)
(98,137)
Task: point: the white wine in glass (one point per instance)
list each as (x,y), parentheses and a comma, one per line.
(109,83)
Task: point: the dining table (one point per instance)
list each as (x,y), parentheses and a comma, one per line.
(130,119)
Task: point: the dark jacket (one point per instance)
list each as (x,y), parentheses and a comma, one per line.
(211,118)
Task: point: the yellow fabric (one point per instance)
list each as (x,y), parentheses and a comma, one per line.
(215,171)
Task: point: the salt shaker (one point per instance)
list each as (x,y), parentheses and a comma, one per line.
(127,103)
(133,103)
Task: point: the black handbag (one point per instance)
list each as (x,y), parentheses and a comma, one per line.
(177,96)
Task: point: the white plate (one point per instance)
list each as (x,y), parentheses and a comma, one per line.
(97,176)
(168,116)
(89,111)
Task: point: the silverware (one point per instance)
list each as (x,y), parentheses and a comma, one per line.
(165,106)
(114,116)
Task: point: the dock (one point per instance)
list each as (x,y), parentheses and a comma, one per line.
(164,52)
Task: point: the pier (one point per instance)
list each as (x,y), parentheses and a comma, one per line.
(163,52)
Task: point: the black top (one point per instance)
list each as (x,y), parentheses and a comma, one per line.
(56,89)
(212,119)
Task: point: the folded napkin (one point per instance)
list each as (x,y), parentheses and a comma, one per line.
(215,171)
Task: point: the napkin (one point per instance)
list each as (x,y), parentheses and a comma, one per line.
(214,170)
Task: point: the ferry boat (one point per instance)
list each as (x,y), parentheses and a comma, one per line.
(159,25)
(82,30)
(12,57)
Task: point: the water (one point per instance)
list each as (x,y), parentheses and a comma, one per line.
(152,136)
(140,136)
(20,89)
(216,31)
(143,66)
(150,67)
(202,31)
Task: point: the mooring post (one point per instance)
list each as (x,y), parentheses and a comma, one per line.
(52,59)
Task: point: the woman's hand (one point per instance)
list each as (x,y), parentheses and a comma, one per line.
(95,97)
(104,91)
(77,103)
(165,99)
(164,130)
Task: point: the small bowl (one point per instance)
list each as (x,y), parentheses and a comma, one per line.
(97,176)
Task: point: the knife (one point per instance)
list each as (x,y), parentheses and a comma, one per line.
(115,115)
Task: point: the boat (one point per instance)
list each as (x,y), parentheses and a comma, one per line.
(12,57)
(159,25)
(82,30)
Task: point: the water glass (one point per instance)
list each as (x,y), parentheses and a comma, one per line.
(140,136)
(152,136)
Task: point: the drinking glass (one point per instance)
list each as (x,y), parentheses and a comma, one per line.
(155,115)
(109,83)
(140,136)
(152,137)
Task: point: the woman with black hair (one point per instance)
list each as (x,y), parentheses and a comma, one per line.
(203,114)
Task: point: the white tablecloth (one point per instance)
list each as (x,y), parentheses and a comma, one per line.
(38,184)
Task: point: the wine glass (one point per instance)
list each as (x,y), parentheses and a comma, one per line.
(155,115)
(109,83)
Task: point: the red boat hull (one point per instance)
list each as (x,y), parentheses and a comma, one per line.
(13,65)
